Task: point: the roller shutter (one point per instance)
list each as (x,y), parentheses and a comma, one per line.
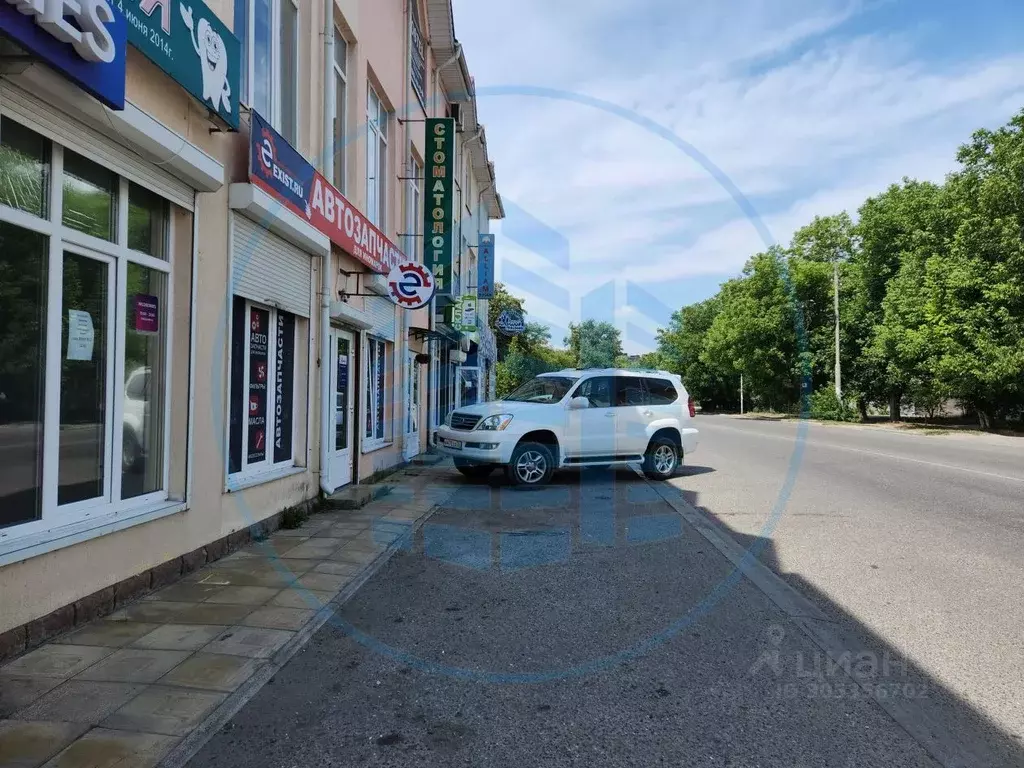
(382,314)
(268,269)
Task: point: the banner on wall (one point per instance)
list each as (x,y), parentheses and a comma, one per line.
(485,267)
(284,174)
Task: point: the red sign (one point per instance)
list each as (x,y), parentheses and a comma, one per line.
(341,221)
(147,314)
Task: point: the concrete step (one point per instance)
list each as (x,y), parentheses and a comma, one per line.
(427,459)
(356,496)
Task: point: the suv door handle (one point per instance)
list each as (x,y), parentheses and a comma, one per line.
(648,412)
(610,415)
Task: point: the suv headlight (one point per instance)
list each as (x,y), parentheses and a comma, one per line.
(495,423)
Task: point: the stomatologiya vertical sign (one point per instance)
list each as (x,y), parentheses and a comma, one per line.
(84,41)
(439,197)
(188,42)
(485,267)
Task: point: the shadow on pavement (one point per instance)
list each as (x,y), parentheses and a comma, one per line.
(966,732)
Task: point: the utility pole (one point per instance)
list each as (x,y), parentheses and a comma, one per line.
(741,394)
(835,291)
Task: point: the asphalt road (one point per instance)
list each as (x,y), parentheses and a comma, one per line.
(590,624)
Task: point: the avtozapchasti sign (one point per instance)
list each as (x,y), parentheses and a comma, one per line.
(280,171)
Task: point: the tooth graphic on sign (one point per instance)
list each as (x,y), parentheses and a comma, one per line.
(213,61)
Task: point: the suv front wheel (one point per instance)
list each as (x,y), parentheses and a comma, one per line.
(532,464)
(661,459)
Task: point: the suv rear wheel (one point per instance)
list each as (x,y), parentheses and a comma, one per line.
(532,464)
(661,459)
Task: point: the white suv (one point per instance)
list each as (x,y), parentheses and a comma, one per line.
(573,419)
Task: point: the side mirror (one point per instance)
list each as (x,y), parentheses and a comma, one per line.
(578,403)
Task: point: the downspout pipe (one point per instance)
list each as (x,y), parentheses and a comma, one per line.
(327,271)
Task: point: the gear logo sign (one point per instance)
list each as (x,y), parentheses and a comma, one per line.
(410,285)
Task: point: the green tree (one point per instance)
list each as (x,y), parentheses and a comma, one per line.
(680,346)
(594,344)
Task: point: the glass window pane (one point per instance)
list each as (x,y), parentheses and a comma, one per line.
(242,33)
(90,197)
(371,377)
(340,51)
(339,132)
(83,382)
(381,391)
(261,53)
(239,339)
(23,265)
(259,326)
(24,168)
(142,450)
(147,221)
(629,390)
(382,175)
(289,62)
(341,396)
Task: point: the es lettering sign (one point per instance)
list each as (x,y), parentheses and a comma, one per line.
(188,42)
(84,40)
(439,187)
(410,285)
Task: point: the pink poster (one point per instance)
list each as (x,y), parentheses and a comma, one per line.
(147,314)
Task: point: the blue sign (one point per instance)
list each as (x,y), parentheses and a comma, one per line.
(87,47)
(485,268)
(276,167)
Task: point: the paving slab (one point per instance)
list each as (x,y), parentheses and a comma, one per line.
(253,642)
(212,671)
(17,692)
(80,701)
(55,660)
(274,617)
(242,595)
(104,748)
(134,665)
(164,710)
(302,598)
(179,637)
(29,745)
(109,634)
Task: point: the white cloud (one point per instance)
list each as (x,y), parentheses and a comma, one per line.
(802,116)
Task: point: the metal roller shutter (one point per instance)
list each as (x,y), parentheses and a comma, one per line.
(78,137)
(268,269)
(382,315)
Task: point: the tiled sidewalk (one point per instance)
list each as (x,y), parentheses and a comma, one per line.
(126,690)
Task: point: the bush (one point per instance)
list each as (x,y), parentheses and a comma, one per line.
(825,405)
(294,517)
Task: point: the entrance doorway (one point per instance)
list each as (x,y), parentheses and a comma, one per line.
(342,366)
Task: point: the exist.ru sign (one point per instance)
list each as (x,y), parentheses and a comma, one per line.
(188,42)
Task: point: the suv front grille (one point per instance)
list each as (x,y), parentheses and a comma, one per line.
(464,422)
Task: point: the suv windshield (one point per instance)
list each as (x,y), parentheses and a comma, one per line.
(543,389)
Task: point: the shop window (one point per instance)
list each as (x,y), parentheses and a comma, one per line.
(262,388)
(377,119)
(414,210)
(377,406)
(84,338)
(269,78)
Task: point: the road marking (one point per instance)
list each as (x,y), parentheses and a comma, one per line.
(895,456)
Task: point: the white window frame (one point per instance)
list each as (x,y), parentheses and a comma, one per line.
(370,404)
(377,130)
(267,465)
(339,156)
(276,82)
(117,256)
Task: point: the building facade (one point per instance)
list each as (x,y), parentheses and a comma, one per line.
(195,333)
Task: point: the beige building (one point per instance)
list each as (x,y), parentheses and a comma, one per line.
(194,329)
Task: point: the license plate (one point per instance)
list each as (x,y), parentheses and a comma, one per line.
(455,445)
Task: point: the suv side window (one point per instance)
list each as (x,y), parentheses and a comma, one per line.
(597,390)
(662,391)
(629,391)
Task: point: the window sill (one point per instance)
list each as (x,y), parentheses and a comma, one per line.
(241,482)
(375,446)
(39,543)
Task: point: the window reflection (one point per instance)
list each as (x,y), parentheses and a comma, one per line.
(142,446)
(24,168)
(90,197)
(147,221)
(23,265)
(83,385)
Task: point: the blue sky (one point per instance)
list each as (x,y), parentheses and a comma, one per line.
(806,107)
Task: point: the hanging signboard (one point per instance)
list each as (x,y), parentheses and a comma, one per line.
(85,42)
(510,322)
(485,267)
(466,317)
(417,54)
(439,196)
(188,42)
(410,285)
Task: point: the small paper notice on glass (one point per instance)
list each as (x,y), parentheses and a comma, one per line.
(80,335)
